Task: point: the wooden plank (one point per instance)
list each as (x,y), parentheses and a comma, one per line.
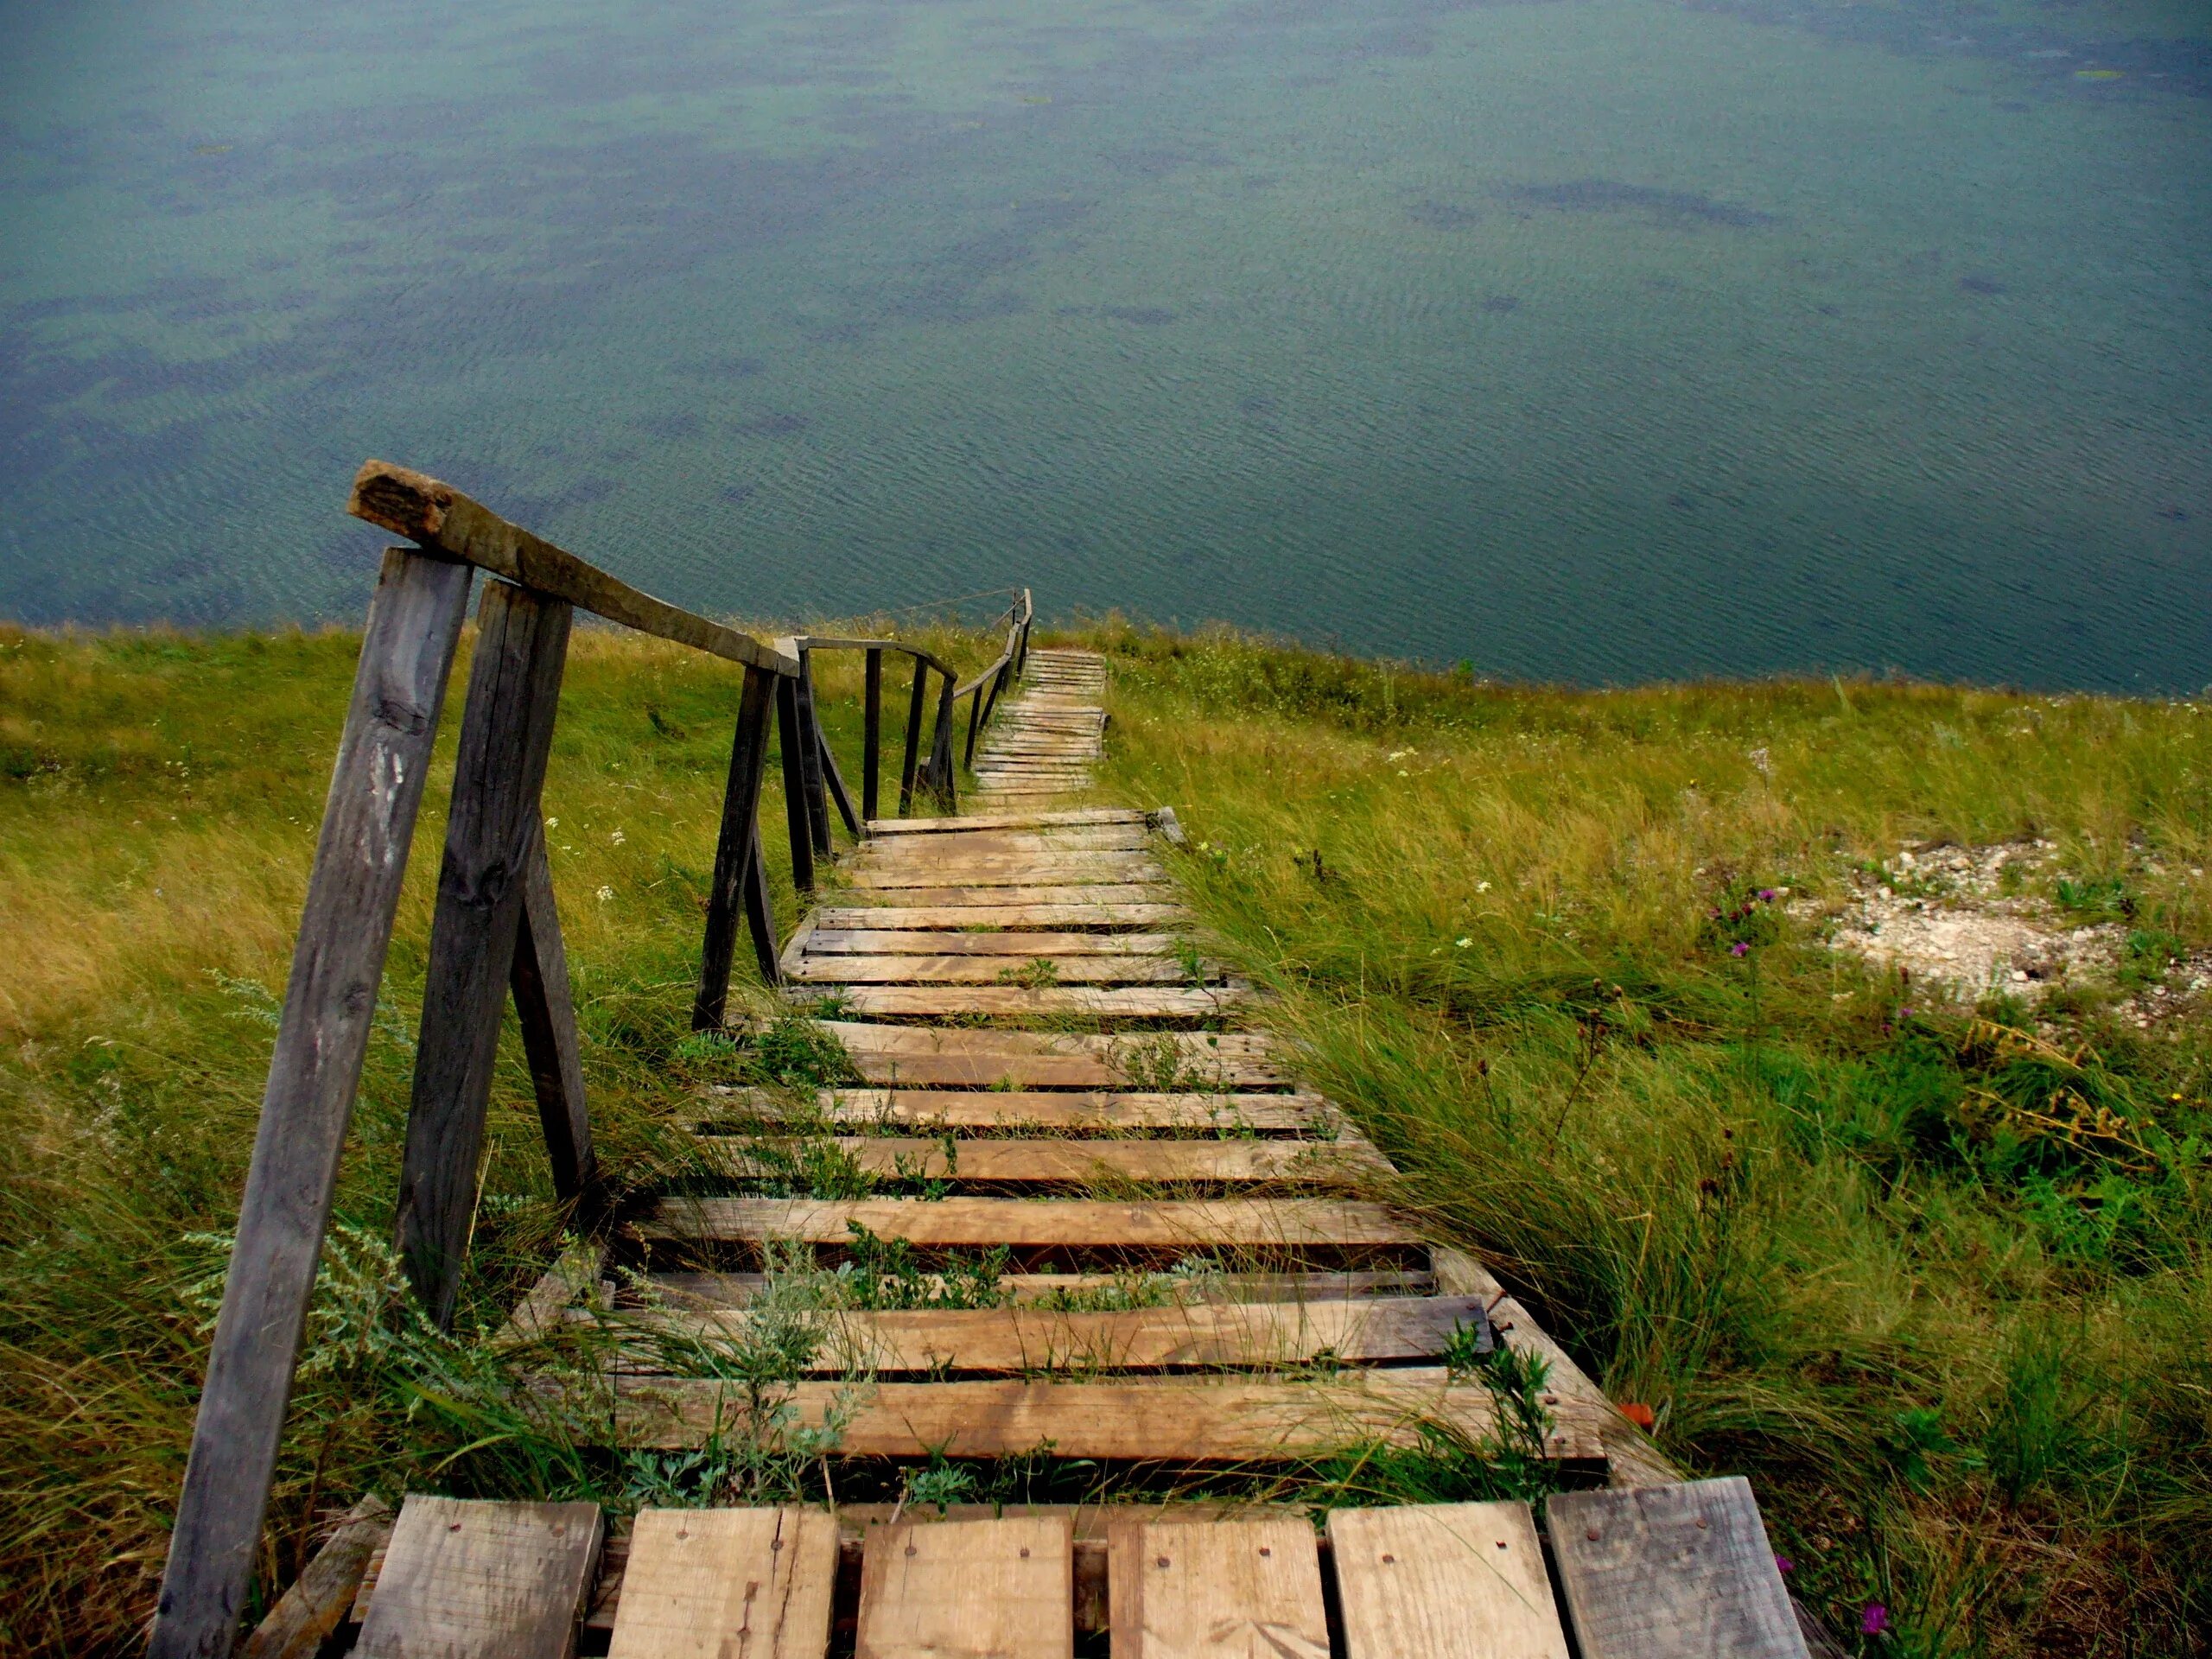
(727,1584)
(465,1580)
(1160,1224)
(438,515)
(1200,1061)
(1444,1581)
(878,941)
(1632,1457)
(1006,1001)
(737,847)
(1668,1572)
(1216,1589)
(695,1290)
(951,869)
(506,732)
(368,824)
(973,821)
(311,1610)
(997,1589)
(546,1013)
(1062,1162)
(850,918)
(1097,838)
(573,1271)
(1102,892)
(1026,1339)
(1172,1420)
(1238,1114)
(833,968)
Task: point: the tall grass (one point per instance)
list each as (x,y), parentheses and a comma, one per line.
(1798,1207)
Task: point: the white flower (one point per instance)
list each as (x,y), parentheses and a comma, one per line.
(552,824)
(1403,773)
(1396,755)
(616,838)
(1482,887)
(606,893)
(1463,944)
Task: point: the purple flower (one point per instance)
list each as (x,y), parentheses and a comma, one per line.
(1784,1564)
(1739,949)
(1875,1621)
(1767,895)
(1904,1013)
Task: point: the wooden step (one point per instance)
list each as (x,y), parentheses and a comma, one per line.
(482,1579)
(1216,1589)
(1167,1419)
(997,1589)
(1203,1061)
(1250,1336)
(1078,838)
(1449,1581)
(1100,892)
(830,968)
(893,912)
(698,1290)
(708,1582)
(877,940)
(1074,870)
(1062,1162)
(1002,820)
(1152,1224)
(1014,1001)
(1093,1112)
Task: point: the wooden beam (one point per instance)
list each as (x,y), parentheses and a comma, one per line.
(547,1014)
(506,732)
(1062,1162)
(311,1610)
(736,850)
(799,819)
(1064,1111)
(871,732)
(1183,1225)
(813,753)
(368,823)
(439,516)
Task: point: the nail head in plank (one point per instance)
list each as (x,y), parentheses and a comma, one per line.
(467,1579)
(1444,1581)
(715,1584)
(1215,1590)
(1158,1223)
(998,1589)
(1670,1571)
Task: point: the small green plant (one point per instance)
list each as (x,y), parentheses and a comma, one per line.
(940,1482)
(797,1051)
(1469,1348)
(2099,896)
(1034,975)
(887,1273)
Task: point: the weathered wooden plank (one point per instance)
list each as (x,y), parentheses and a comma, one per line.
(438,515)
(1064,869)
(1102,892)
(1175,1061)
(1174,1420)
(464,1580)
(879,941)
(973,821)
(836,968)
(547,1015)
(683,1290)
(573,1271)
(319,1599)
(1096,838)
(368,823)
(1189,1224)
(737,848)
(727,1584)
(1007,1002)
(1444,1581)
(1216,1589)
(1062,1162)
(997,1589)
(1631,1459)
(852,917)
(1668,1572)
(1260,1336)
(506,732)
(1065,1111)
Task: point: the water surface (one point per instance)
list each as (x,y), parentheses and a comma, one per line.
(1598,340)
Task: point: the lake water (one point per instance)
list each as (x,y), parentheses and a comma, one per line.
(1596,341)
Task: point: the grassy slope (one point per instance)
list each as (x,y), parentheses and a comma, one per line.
(1970,1392)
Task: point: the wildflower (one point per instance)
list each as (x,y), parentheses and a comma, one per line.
(616,838)
(605,894)
(1784,1564)
(552,824)
(1463,944)
(1875,1620)
(1767,895)
(1739,949)
(1758,757)
(1482,887)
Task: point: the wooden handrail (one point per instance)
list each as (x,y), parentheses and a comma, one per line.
(442,519)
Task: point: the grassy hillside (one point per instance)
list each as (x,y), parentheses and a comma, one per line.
(1936,1276)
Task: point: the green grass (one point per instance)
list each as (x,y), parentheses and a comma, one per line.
(1936,1280)
(1938,1283)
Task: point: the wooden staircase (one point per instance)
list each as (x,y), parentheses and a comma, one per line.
(1201,1273)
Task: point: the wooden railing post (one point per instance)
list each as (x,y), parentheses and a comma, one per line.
(871,732)
(506,732)
(833,781)
(795,811)
(974,723)
(941,778)
(912,756)
(547,1013)
(809,737)
(345,930)
(736,854)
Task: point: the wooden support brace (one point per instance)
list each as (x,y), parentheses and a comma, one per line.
(810,768)
(835,781)
(795,812)
(547,1013)
(506,732)
(912,755)
(872,734)
(360,859)
(737,855)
